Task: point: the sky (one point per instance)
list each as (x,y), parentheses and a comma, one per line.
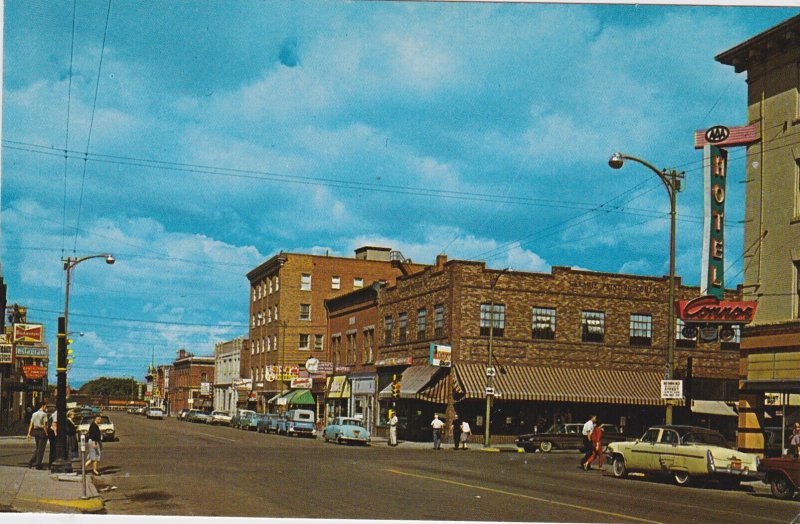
(194,140)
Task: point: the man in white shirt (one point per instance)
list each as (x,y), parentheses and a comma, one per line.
(588,427)
(38,429)
(437,426)
(393,429)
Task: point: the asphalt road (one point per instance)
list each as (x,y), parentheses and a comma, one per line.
(175,468)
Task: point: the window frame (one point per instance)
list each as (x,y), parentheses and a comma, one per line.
(387,330)
(593,326)
(539,316)
(305,312)
(422,322)
(641,330)
(305,281)
(496,316)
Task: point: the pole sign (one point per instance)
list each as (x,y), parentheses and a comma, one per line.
(671,389)
(715,170)
(41,352)
(441,355)
(29,333)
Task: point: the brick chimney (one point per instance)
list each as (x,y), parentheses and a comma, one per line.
(440,261)
(181,354)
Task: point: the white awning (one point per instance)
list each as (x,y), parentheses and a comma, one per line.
(713,407)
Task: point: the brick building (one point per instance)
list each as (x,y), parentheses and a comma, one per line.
(288,321)
(189,373)
(565,344)
(352,321)
(770,357)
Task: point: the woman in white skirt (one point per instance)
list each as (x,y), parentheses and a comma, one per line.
(465,431)
(95,445)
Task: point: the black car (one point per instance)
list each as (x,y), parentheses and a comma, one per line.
(565,436)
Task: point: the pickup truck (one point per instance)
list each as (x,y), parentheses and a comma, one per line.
(296,422)
(782,474)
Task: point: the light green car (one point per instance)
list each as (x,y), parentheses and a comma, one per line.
(685,453)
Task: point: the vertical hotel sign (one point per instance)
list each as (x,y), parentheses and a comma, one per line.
(715,171)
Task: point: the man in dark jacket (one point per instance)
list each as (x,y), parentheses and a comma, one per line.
(456,431)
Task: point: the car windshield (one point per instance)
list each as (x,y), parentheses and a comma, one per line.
(705,437)
(352,422)
(88,420)
(555,428)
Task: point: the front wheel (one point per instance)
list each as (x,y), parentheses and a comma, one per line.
(339,439)
(781,488)
(681,478)
(618,467)
(546,446)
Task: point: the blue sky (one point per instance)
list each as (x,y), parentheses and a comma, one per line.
(206,136)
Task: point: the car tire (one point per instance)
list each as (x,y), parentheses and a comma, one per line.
(681,478)
(339,439)
(618,467)
(546,446)
(781,487)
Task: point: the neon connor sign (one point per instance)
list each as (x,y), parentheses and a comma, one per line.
(709,309)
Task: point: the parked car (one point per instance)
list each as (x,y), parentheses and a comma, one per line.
(220,418)
(249,421)
(237,417)
(268,423)
(297,422)
(772,440)
(346,429)
(107,429)
(182,414)
(782,474)
(200,417)
(154,413)
(685,453)
(565,436)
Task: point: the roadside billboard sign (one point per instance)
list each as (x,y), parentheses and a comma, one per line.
(28,333)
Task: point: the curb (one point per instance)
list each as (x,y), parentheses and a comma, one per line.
(91,505)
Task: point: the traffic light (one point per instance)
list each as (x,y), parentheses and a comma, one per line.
(395,387)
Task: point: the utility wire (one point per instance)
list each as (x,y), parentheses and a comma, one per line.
(66,137)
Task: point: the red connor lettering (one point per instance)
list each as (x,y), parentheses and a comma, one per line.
(710,308)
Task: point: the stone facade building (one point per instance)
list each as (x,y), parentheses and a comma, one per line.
(770,358)
(227,360)
(565,344)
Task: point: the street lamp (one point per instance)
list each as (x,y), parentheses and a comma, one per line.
(62,462)
(489,368)
(672,181)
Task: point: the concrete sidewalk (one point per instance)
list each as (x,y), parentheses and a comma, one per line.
(473,446)
(39,491)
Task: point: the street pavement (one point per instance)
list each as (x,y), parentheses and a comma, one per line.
(175,468)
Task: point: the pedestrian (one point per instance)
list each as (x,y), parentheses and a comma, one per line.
(456,432)
(393,429)
(437,426)
(796,439)
(465,431)
(38,428)
(95,445)
(71,430)
(588,427)
(52,435)
(597,448)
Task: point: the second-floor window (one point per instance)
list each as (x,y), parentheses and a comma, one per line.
(304,342)
(422,319)
(336,282)
(305,311)
(351,349)
(497,320)
(336,347)
(387,328)
(305,282)
(593,326)
(318,342)
(641,330)
(681,340)
(369,344)
(438,320)
(403,325)
(358,283)
(543,323)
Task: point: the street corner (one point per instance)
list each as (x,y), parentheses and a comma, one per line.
(41,491)
(58,505)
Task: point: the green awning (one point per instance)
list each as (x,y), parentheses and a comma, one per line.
(300,397)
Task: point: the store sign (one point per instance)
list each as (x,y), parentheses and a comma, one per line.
(6,354)
(395,361)
(301,383)
(441,355)
(34,372)
(671,389)
(33,352)
(205,388)
(28,333)
(282,373)
(709,309)
(715,171)
(312,365)
(726,136)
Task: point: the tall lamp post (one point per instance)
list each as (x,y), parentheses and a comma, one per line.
(62,462)
(489,368)
(672,181)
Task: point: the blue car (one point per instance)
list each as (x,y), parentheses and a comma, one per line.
(297,422)
(346,430)
(249,421)
(268,423)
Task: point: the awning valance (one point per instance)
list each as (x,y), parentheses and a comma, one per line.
(713,407)
(299,397)
(561,384)
(415,378)
(420,382)
(338,387)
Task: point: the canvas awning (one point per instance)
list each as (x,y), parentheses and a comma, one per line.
(601,386)
(713,407)
(419,382)
(338,387)
(299,397)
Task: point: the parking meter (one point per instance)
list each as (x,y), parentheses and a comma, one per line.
(83,443)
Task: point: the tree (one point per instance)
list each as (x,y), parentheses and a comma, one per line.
(109,387)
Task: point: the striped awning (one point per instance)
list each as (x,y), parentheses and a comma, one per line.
(561,384)
(415,378)
(338,387)
(438,391)
(422,383)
